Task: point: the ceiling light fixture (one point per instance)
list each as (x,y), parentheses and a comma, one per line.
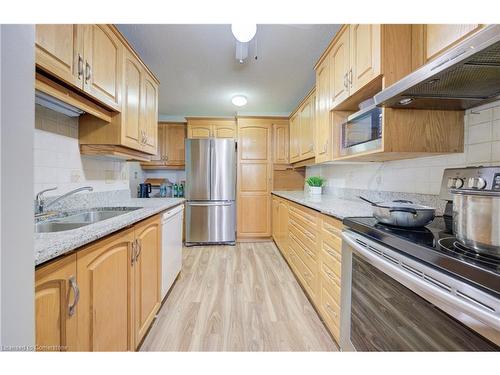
(239,100)
(244,32)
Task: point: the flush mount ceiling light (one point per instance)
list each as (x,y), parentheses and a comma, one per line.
(239,100)
(244,32)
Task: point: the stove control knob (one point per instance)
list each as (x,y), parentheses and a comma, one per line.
(455,183)
(477,183)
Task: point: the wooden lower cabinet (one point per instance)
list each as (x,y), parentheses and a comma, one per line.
(104,296)
(106,280)
(147,273)
(56,321)
(313,250)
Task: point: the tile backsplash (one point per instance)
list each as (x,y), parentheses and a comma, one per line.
(58,161)
(422,175)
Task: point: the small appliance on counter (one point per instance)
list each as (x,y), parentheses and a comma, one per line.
(143,190)
(434,287)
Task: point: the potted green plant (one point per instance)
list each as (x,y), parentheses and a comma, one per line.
(315,184)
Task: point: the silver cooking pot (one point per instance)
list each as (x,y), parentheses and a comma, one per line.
(402,213)
(476,219)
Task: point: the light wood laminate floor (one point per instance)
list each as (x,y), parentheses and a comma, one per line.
(237,298)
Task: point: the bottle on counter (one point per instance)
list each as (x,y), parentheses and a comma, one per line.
(181,191)
(175,191)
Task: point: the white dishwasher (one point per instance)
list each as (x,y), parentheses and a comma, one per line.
(171,256)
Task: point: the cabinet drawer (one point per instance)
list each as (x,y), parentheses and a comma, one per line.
(309,239)
(331,257)
(306,255)
(304,273)
(331,282)
(331,226)
(330,311)
(308,216)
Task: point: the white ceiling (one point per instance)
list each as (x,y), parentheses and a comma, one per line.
(199,74)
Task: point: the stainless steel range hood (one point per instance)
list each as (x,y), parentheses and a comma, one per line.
(466,76)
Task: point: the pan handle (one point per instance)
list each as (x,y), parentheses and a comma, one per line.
(404,209)
(368,201)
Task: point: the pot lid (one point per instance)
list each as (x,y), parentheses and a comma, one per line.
(405,204)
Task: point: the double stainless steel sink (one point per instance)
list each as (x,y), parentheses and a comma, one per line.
(68,221)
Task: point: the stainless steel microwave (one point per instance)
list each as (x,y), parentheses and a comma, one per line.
(361,131)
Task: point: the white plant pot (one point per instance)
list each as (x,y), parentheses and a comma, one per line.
(315,190)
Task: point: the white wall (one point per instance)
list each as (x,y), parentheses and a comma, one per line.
(58,161)
(16,186)
(423,175)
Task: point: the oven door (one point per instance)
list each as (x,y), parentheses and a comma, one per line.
(393,303)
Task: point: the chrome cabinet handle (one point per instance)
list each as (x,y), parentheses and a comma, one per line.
(88,72)
(345,81)
(166,157)
(80,66)
(76,291)
(350,77)
(132,252)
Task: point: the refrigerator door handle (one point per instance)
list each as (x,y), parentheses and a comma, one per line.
(210,203)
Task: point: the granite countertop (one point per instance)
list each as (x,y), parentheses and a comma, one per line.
(328,204)
(51,245)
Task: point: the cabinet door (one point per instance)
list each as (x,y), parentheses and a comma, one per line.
(105,277)
(365,57)
(56,305)
(254,178)
(280,143)
(59,51)
(103,65)
(283,226)
(199,131)
(131,114)
(306,130)
(339,69)
(176,137)
(323,131)
(149,116)
(224,131)
(438,38)
(162,144)
(147,275)
(295,138)
(275,221)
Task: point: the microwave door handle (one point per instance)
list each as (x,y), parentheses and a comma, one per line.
(413,282)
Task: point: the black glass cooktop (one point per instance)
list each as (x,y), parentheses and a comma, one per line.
(436,245)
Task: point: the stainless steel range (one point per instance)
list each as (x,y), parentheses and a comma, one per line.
(418,289)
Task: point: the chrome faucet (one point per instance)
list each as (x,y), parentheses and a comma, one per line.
(40,205)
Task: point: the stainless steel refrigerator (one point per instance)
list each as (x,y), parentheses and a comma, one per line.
(210,191)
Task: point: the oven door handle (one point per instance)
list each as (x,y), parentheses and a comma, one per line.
(411,281)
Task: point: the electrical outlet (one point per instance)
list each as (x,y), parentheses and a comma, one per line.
(75,176)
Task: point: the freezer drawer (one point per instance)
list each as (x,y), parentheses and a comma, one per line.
(210,222)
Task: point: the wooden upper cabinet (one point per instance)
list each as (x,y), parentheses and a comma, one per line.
(106,280)
(306,113)
(438,38)
(56,306)
(132,96)
(150,114)
(207,127)
(323,129)
(199,131)
(295,138)
(280,143)
(59,51)
(224,130)
(171,147)
(254,142)
(147,275)
(364,49)
(103,73)
(339,69)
